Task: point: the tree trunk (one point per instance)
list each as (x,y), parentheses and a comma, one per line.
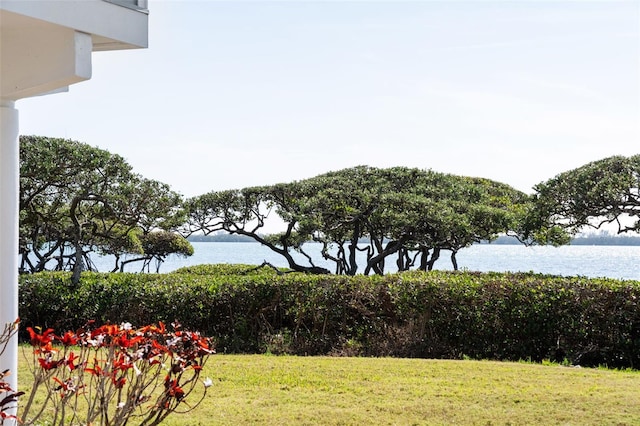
(78,265)
(284,252)
(435,256)
(353,248)
(424,258)
(377,262)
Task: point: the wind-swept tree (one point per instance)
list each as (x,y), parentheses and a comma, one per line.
(76,199)
(407,213)
(245,212)
(602,192)
(426,212)
(156,246)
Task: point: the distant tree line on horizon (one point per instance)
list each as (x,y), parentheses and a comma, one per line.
(586,240)
(76,200)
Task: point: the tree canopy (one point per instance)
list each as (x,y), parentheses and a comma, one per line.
(76,199)
(407,213)
(602,192)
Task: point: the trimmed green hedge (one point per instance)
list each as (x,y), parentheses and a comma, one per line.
(437,314)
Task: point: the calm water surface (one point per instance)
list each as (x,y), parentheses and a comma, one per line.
(621,262)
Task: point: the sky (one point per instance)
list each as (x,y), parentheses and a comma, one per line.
(232,94)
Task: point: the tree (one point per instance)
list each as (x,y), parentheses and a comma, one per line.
(602,192)
(426,212)
(76,199)
(157,245)
(245,212)
(409,213)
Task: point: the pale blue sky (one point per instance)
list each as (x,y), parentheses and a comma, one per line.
(234,94)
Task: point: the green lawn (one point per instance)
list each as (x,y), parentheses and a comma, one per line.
(285,390)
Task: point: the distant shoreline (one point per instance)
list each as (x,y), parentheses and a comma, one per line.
(595,240)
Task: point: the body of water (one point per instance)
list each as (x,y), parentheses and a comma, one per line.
(620,262)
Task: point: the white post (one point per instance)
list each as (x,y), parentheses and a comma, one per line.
(9,208)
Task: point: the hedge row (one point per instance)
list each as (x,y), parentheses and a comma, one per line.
(504,316)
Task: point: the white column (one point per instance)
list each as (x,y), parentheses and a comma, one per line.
(9,181)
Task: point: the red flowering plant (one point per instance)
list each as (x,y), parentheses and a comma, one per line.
(8,396)
(111,374)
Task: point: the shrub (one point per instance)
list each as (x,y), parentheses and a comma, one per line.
(8,396)
(504,316)
(232,269)
(112,373)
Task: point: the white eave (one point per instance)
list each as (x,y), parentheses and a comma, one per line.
(46,45)
(113,25)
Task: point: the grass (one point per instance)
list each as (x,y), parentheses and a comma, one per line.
(285,390)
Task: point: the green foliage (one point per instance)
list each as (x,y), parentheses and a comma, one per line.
(76,199)
(164,243)
(410,214)
(156,245)
(413,314)
(227,269)
(598,193)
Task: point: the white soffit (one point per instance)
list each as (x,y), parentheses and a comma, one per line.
(112,26)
